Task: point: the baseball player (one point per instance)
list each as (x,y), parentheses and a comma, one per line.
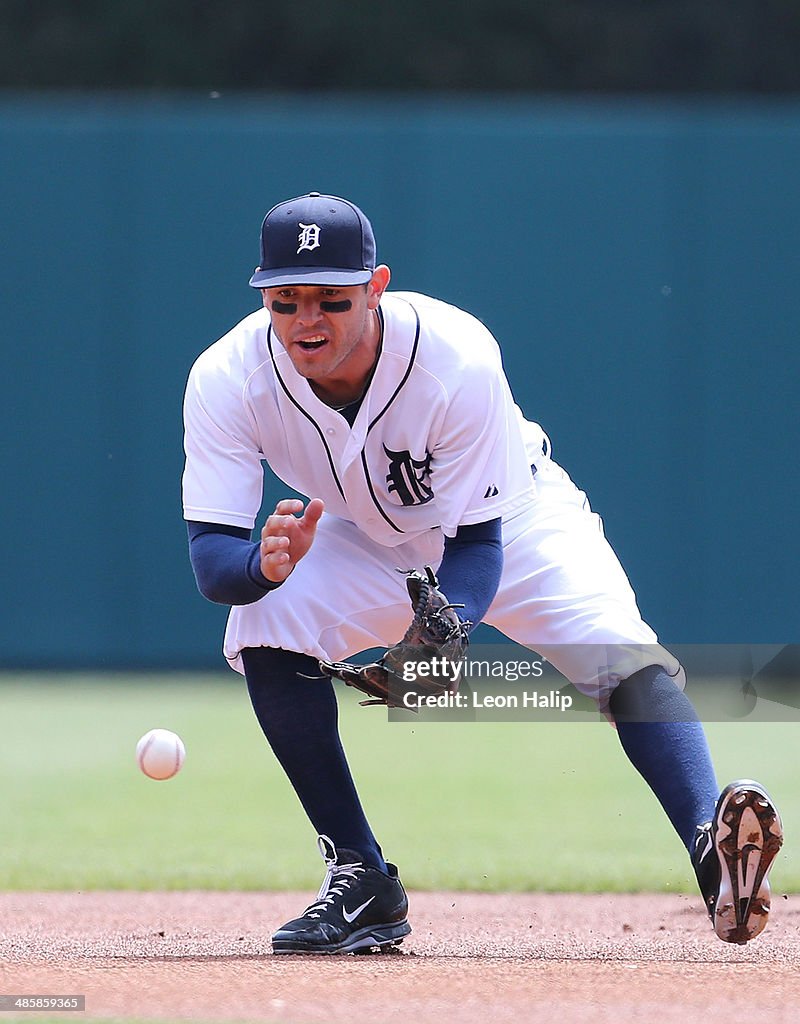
(391,413)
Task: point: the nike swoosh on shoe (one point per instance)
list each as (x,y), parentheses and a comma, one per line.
(350,916)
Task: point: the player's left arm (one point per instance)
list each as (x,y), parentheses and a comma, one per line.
(471,568)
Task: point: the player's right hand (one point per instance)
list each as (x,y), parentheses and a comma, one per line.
(285,537)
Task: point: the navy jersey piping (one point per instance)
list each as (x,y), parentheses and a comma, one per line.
(395,393)
(307,415)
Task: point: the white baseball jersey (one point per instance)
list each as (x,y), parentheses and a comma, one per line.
(438,441)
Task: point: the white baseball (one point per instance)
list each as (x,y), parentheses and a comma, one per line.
(160,754)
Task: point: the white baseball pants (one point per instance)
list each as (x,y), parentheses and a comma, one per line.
(563,594)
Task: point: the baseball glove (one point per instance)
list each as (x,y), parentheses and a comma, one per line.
(436,636)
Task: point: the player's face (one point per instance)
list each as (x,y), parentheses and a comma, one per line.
(330,334)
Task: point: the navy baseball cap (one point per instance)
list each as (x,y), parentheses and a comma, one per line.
(315,239)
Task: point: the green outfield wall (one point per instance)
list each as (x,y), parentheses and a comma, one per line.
(638,261)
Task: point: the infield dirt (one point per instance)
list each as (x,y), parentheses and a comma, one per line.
(472,958)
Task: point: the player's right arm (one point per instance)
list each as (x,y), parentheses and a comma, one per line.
(226,563)
(287,536)
(231,569)
(222,487)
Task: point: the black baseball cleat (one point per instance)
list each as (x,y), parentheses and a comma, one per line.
(732,856)
(358,908)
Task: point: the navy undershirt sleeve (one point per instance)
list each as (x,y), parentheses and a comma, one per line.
(471,568)
(227,564)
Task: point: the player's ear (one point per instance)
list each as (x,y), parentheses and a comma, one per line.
(377,285)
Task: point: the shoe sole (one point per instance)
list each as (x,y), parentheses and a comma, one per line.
(748,836)
(381,937)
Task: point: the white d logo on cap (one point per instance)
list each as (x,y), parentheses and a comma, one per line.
(308,237)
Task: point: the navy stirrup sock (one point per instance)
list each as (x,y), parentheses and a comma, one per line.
(665,741)
(299,717)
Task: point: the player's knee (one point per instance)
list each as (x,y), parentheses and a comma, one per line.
(269,663)
(650,695)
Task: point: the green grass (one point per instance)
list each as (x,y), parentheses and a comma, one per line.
(494,806)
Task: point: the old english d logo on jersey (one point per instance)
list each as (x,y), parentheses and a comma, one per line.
(308,237)
(406,477)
